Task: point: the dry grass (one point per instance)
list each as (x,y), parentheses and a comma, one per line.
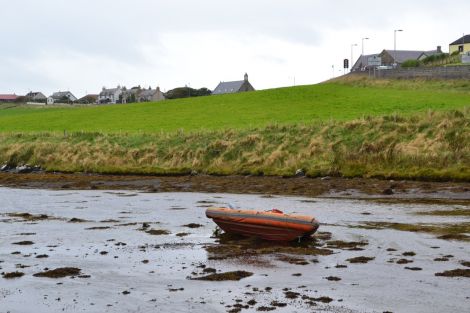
(431,145)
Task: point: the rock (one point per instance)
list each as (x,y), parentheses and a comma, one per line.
(24,169)
(4,168)
(194,173)
(326,178)
(388,191)
(300,173)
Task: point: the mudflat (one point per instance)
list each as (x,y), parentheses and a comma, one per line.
(130,243)
(300,186)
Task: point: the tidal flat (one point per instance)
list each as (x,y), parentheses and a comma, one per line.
(123,251)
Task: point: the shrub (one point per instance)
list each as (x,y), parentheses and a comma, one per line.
(411,63)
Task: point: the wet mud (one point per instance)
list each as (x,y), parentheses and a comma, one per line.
(59,272)
(235,275)
(455,273)
(115,251)
(402,191)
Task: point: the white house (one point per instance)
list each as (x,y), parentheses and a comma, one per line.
(113,95)
(61,97)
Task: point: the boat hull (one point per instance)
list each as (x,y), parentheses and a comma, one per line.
(265,225)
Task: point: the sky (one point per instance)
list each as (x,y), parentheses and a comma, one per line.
(84,45)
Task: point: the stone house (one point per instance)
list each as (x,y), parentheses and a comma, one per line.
(233,87)
(150,95)
(36,97)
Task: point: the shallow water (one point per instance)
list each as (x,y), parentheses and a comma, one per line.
(377,286)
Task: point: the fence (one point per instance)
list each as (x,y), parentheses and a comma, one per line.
(441,72)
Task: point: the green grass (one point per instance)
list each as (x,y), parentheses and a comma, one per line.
(426,146)
(337,100)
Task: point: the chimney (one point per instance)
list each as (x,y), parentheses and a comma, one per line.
(439,49)
(246,77)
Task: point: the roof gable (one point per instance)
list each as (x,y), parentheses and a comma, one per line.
(461,40)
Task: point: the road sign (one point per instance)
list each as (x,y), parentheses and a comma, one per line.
(374,61)
(346,63)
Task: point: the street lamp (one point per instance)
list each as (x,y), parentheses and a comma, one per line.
(352,54)
(395,44)
(365,38)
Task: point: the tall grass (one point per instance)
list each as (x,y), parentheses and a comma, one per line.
(429,146)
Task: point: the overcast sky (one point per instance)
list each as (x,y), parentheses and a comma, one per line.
(83,45)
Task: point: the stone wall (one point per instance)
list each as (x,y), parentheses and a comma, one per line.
(443,72)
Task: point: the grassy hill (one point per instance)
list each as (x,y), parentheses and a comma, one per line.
(350,127)
(336,100)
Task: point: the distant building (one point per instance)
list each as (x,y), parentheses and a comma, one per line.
(8,98)
(462,45)
(233,87)
(61,97)
(36,97)
(112,95)
(88,99)
(392,57)
(150,95)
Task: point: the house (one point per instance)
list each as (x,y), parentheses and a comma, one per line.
(130,95)
(61,97)
(461,45)
(397,57)
(150,95)
(88,99)
(112,95)
(8,98)
(431,53)
(233,87)
(36,97)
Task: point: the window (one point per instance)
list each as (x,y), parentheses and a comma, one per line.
(460,48)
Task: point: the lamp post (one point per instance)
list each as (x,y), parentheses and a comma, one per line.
(395,44)
(352,54)
(365,38)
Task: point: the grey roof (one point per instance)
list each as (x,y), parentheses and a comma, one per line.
(108,92)
(432,52)
(61,94)
(228,87)
(401,56)
(363,61)
(461,40)
(35,94)
(147,92)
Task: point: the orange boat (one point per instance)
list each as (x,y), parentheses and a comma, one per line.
(270,225)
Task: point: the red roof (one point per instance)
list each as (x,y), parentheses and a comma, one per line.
(8,97)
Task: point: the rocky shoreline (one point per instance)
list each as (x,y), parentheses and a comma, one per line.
(298,186)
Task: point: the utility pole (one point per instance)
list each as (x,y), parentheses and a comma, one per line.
(365,38)
(395,44)
(352,55)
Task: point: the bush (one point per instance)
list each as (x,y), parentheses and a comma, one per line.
(186,92)
(411,63)
(435,57)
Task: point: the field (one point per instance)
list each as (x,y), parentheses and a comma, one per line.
(337,100)
(348,128)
